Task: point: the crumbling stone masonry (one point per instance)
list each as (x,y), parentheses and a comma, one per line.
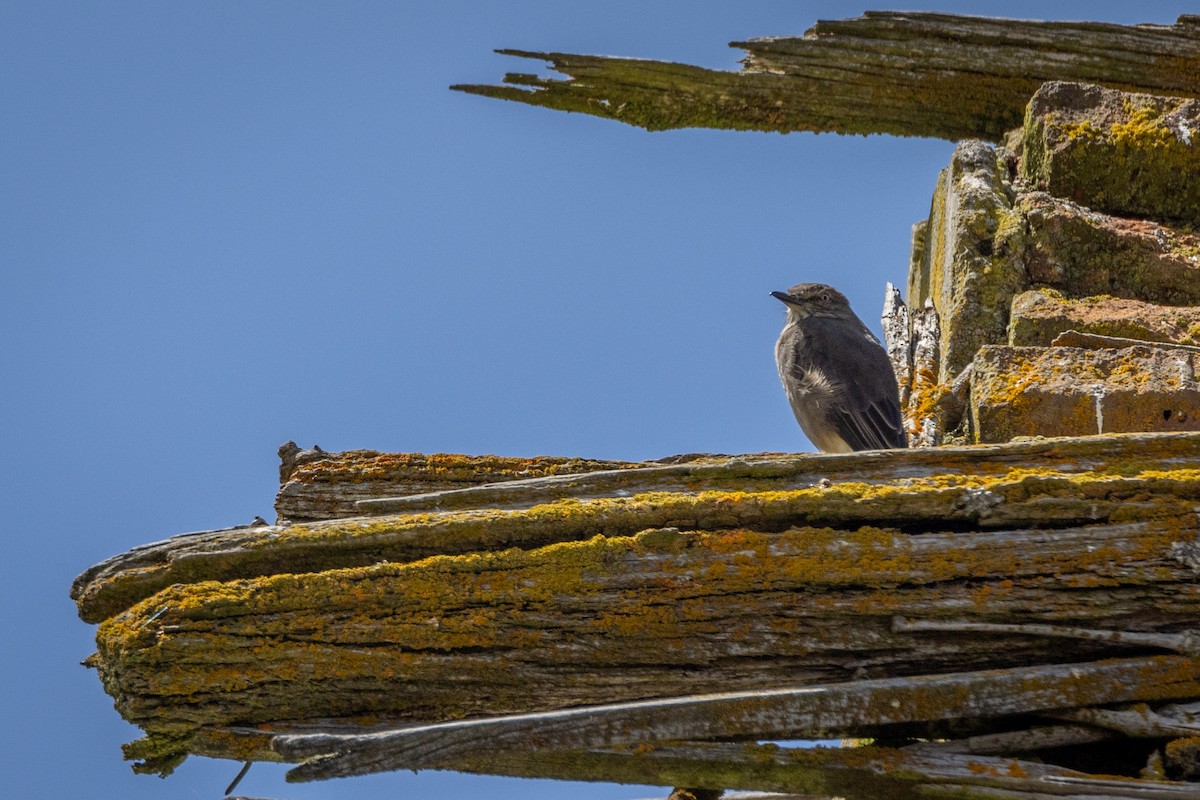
(1055,288)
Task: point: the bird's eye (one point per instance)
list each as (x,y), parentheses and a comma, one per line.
(825,297)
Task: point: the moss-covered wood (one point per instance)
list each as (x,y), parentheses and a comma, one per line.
(318,485)
(622,618)
(1052,481)
(912,74)
(747,574)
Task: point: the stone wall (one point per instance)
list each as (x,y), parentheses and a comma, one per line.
(1055,288)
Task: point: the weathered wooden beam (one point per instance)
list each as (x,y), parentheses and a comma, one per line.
(1186,642)
(911,74)
(1025,740)
(1041,482)
(317,485)
(807,712)
(775,472)
(820,773)
(1136,722)
(660,614)
(991,490)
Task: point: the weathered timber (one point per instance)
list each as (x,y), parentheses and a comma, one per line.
(629,586)
(861,773)
(317,485)
(1136,722)
(913,74)
(1026,740)
(659,614)
(1052,481)
(864,707)
(775,472)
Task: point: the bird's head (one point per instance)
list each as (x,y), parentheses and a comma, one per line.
(813,299)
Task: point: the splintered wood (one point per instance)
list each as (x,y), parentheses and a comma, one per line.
(582,621)
(905,73)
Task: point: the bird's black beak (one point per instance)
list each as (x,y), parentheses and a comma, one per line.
(785,298)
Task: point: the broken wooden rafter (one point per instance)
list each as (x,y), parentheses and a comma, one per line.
(876,773)
(822,711)
(910,74)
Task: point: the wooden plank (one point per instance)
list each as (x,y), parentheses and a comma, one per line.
(905,73)
(776,471)
(316,484)
(806,712)
(661,614)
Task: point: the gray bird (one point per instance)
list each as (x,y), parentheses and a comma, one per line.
(837,376)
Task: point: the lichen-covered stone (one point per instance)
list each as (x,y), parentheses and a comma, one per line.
(965,266)
(1081,253)
(1066,391)
(1120,152)
(1041,314)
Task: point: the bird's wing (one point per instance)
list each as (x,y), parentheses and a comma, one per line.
(866,408)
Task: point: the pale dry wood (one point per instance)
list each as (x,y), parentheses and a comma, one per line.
(808,712)
(877,774)
(1187,642)
(915,74)
(897,338)
(1135,722)
(926,419)
(802,470)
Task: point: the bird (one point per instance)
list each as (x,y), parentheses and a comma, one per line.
(837,376)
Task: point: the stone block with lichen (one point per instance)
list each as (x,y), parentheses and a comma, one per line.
(1067,391)
(1120,152)
(1039,315)
(962,262)
(1081,252)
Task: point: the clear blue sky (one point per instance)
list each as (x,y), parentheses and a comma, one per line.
(226,225)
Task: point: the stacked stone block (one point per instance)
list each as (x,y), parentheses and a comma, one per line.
(1063,269)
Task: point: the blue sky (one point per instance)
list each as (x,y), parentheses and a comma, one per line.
(227,225)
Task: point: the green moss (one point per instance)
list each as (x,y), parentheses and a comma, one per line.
(157,754)
(439,469)
(1127,162)
(289,647)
